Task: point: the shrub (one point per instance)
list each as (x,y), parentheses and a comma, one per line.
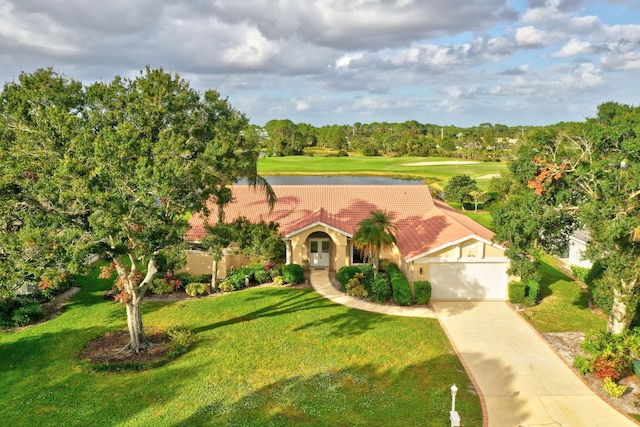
(596,272)
(27,314)
(582,364)
(380,289)
(355,288)
(399,285)
(345,274)
(517,291)
(342,153)
(199,278)
(610,365)
(532,292)
(181,339)
(368,276)
(602,294)
(226,286)
(238,277)
(580,273)
(422,291)
(186,278)
(614,389)
(293,273)
(278,281)
(262,276)
(160,286)
(195,289)
(274,272)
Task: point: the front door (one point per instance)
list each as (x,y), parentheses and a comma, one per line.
(319,252)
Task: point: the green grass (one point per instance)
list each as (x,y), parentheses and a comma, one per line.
(262,356)
(379,166)
(564,305)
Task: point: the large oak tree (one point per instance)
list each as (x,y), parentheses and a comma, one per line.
(587,177)
(113,169)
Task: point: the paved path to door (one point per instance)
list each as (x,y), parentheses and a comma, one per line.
(522,381)
(321,284)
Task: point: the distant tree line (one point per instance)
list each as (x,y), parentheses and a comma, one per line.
(483,142)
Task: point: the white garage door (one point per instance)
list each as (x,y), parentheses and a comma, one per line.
(464,280)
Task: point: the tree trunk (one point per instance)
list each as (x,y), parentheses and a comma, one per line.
(214,273)
(135,290)
(620,317)
(138,339)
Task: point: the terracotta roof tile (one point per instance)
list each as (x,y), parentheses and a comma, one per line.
(423,224)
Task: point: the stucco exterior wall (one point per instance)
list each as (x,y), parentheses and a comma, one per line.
(199,262)
(472,249)
(339,251)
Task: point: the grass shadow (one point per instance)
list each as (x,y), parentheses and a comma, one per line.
(353,395)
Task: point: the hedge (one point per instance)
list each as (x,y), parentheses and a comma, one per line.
(422,292)
(399,285)
(517,292)
(532,292)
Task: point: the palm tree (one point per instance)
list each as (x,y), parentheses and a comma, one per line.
(375,233)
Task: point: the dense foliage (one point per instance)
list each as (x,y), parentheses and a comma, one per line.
(586,176)
(485,142)
(399,285)
(111,169)
(293,273)
(422,291)
(375,233)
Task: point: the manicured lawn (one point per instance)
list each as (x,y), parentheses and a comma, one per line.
(262,357)
(382,166)
(564,304)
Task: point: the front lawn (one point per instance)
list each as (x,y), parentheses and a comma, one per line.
(262,356)
(564,304)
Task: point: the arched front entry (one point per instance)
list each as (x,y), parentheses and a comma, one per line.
(319,250)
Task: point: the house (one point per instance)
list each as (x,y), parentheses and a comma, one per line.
(434,241)
(578,242)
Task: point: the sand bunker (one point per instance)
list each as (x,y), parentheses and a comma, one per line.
(452,162)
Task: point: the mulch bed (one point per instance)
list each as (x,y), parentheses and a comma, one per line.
(567,345)
(108,349)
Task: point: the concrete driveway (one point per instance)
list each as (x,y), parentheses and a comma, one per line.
(522,382)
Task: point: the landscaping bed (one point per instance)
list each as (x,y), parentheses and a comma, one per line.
(567,345)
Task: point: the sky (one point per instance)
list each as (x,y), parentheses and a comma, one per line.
(323,62)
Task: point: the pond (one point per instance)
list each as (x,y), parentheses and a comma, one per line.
(337,180)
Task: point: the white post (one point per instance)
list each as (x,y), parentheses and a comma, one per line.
(454,390)
(454,417)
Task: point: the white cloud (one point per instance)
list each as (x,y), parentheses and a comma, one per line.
(575,47)
(338,60)
(531,37)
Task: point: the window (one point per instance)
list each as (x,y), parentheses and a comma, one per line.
(357,256)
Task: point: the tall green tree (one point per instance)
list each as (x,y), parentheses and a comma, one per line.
(111,169)
(459,189)
(586,176)
(375,233)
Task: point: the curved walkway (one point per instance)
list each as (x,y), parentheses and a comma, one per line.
(520,379)
(322,285)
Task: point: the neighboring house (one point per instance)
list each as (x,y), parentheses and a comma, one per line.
(578,242)
(435,242)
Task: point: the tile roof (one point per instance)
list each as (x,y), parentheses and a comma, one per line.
(423,224)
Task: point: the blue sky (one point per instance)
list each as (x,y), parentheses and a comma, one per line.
(459,62)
